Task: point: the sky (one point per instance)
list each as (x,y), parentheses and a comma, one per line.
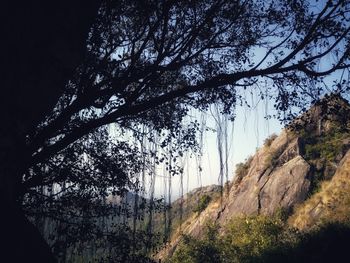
(245,135)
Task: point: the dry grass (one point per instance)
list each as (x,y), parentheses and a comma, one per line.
(331,204)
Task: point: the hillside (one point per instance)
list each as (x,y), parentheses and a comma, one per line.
(192,202)
(330,204)
(303,172)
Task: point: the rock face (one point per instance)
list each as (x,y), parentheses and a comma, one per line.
(319,118)
(193,223)
(277,178)
(331,203)
(285,187)
(283,172)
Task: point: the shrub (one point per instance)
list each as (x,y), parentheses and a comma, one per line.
(322,151)
(268,141)
(242,169)
(193,250)
(245,239)
(202,203)
(327,146)
(252,235)
(261,239)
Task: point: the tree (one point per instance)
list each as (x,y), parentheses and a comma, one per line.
(148,64)
(42,45)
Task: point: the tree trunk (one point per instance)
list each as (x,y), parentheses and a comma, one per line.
(42,44)
(21,241)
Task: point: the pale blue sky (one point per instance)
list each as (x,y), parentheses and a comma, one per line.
(250,128)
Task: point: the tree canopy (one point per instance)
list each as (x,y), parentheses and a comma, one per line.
(160,58)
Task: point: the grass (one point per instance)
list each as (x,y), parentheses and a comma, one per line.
(330,205)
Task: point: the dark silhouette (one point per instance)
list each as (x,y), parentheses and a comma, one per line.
(42,44)
(327,244)
(71,67)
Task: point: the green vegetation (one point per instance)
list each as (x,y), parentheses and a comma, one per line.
(245,240)
(202,203)
(248,237)
(323,152)
(316,182)
(264,239)
(194,250)
(242,169)
(327,146)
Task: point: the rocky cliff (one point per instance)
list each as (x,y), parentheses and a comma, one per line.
(286,171)
(331,203)
(277,178)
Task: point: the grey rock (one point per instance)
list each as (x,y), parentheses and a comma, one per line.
(285,186)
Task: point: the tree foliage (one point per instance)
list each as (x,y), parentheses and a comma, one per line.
(149,62)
